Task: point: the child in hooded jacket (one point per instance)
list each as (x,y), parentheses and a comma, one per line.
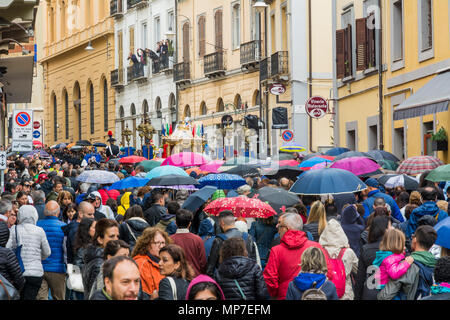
(391,258)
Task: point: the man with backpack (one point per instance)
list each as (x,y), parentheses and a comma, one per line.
(228,227)
(417,282)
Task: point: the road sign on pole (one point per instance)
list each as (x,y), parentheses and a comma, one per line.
(22,130)
(316,107)
(2,160)
(287,135)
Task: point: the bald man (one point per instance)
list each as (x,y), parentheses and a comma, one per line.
(54,266)
(285,183)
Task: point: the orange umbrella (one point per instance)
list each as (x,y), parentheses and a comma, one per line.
(70,145)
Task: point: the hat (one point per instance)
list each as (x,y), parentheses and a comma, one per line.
(371,182)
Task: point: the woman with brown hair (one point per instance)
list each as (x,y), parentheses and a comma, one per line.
(64,199)
(177,271)
(317,220)
(146,254)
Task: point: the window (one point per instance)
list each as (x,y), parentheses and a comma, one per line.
(203,109)
(170,21)
(131,33)
(426,24)
(92,107)
(120,49)
(66,111)
(144,43)
(220,105)
(186,40)
(236,25)
(105,104)
(63,19)
(397,30)
(238,102)
(187,112)
(158,108)
(344,52)
(365,44)
(55,118)
(145,107)
(201,36)
(158,29)
(218,28)
(284,32)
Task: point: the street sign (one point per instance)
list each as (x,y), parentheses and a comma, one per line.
(316,107)
(36,134)
(22,128)
(277,89)
(287,135)
(36,125)
(2,160)
(22,146)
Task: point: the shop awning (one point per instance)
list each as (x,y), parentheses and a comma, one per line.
(18,81)
(432,98)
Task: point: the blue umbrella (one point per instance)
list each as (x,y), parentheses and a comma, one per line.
(98,176)
(195,200)
(164,171)
(222,181)
(232,194)
(443,233)
(327,181)
(308,164)
(336,151)
(97,157)
(130,182)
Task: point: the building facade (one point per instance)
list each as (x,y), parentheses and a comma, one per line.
(143,87)
(77,61)
(415,59)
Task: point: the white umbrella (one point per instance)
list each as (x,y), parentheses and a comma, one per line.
(98,176)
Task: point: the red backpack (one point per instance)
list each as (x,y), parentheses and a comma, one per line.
(338,271)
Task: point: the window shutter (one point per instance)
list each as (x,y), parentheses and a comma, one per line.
(132,39)
(348,51)
(361,44)
(201,36)
(340,53)
(186,57)
(371,45)
(219,28)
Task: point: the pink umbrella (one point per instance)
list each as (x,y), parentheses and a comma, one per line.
(212,166)
(291,163)
(357,165)
(185,159)
(319,166)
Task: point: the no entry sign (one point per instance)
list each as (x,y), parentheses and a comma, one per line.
(287,135)
(316,107)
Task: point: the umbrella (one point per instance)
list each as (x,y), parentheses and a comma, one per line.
(39,152)
(83,143)
(241,207)
(232,194)
(308,164)
(59,146)
(198,198)
(352,154)
(239,160)
(76,148)
(98,176)
(292,163)
(115,161)
(383,155)
(172,180)
(222,181)
(185,159)
(70,145)
(194,169)
(292,147)
(164,171)
(284,171)
(244,170)
(439,174)
(37,144)
(99,145)
(312,155)
(212,166)
(277,198)
(357,165)
(337,151)
(132,159)
(149,165)
(284,156)
(319,166)
(419,164)
(388,164)
(443,233)
(327,181)
(395,180)
(130,182)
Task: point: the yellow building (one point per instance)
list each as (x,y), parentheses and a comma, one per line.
(77,61)
(414,84)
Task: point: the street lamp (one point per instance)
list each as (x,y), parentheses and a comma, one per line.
(127,135)
(89,46)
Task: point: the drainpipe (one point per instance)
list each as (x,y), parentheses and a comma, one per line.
(310,70)
(335,92)
(380,79)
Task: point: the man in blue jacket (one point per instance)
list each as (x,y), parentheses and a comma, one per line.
(55,265)
(374,192)
(429,207)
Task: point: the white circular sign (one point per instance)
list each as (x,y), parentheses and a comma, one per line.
(277,89)
(316,107)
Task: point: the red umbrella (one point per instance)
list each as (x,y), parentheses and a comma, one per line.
(241,206)
(37,144)
(416,165)
(132,159)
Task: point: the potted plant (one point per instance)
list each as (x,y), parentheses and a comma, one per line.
(440,140)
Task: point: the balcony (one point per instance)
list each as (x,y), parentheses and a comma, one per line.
(214,64)
(137,72)
(136,3)
(117,80)
(264,70)
(250,55)
(116,10)
(163,64)
(279,64)
(182,73)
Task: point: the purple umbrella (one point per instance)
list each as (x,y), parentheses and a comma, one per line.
(357,165)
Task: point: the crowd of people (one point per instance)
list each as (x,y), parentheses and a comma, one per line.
(63,239)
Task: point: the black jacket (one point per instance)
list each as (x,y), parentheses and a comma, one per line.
(153,214)
(93,261)
(136,226)
(312,227)
(366,258)
(165,289)
(247,274)
(9,266)
(70,231)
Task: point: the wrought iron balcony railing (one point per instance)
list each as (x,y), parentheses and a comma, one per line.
(214,64)
(250,53)
(116,9)
(264,70)
(181,72)
(279,65)
(117,78)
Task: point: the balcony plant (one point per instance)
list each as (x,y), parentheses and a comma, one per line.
(440,140)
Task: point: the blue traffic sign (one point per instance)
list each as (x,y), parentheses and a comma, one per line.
(36,134)
(287,135)
(23,119)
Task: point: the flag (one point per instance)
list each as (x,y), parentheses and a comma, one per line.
(193,131)
(163,132)
(167,129)
(170,129)
(199,131)
(203,131)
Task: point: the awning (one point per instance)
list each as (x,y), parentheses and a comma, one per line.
(18,81)
(432,98)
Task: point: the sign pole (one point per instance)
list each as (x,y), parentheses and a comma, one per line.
(3,180)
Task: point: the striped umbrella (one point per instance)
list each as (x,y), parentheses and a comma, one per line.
(292,147)
(419,164)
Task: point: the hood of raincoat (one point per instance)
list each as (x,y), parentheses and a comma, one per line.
(380,256)
(236,267)
(203,278)
(349,215)
(294,239)
(206,228)
(27,214)
(333,238)
(304,281)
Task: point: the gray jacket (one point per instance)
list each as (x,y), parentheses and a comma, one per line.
(407,283)
(35,246)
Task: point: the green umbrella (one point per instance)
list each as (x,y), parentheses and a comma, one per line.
(439,174)
(388,164)
(149,165)
(218,194)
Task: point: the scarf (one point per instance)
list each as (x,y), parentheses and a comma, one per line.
(443,287)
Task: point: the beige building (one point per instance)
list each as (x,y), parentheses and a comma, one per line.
(77,61)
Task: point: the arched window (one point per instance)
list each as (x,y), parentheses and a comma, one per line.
(122,123)
(133,110)
(105,104)
(256,101)
(173,109)
(158,107)
(145,107)
(238,102)
(187,112)
(203,109)
(186,42)
(121,112)
(92,107)
(66,112)
(220,105)
(77,110)
(55,118)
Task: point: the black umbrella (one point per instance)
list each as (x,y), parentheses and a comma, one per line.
(284,172)
(83,143)
(172,180)
(352,154)
(195,200)
(408,182)
(370,174)
(277,198)
(99,145)
(284,156)
(312,155)
(244,170)
(380,155)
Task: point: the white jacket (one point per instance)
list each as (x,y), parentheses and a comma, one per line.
(35,246)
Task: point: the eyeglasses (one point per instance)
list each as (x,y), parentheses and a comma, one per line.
(159,243)
(27,185)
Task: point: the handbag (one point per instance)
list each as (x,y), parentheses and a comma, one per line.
(7,290)
(174,288)
(18,251)
(75,279)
